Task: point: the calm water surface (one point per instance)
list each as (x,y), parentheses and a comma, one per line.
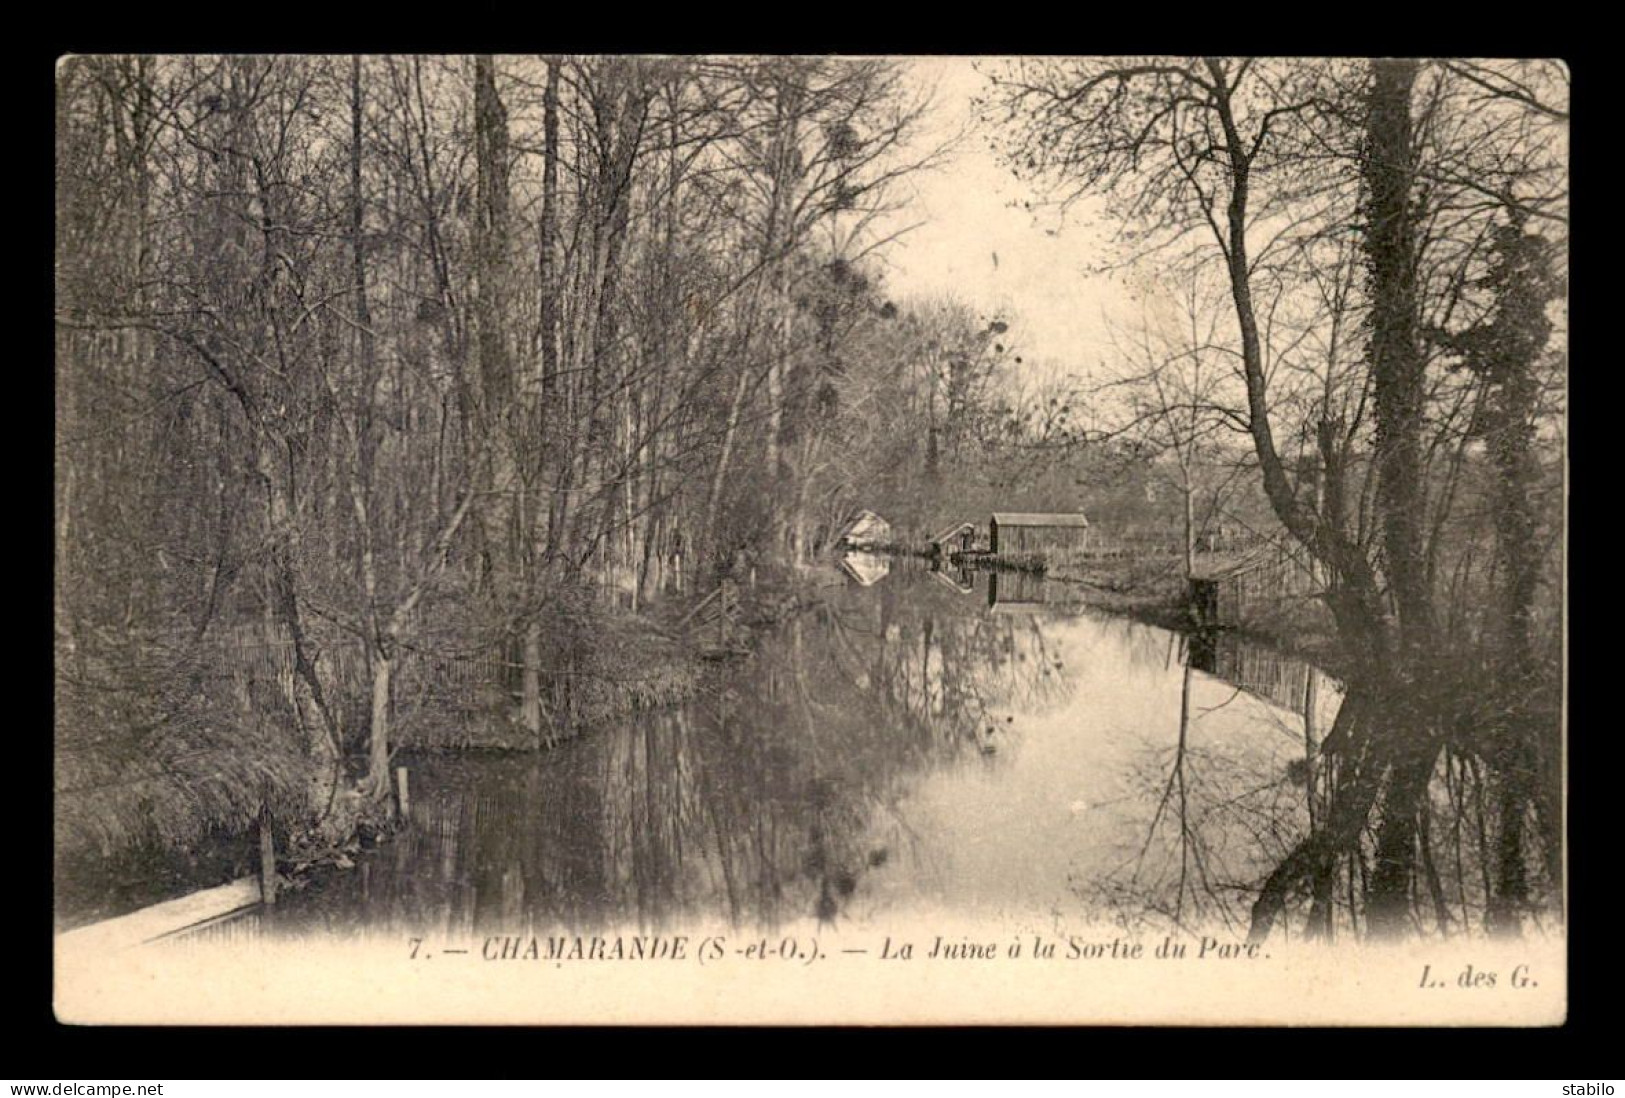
(917,746)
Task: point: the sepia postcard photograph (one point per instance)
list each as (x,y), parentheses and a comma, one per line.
(810,540)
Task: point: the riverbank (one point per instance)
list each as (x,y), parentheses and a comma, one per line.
(1156,592)
(603,664)
(126,839)
(869,700)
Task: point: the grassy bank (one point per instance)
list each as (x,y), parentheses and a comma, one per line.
(163,760)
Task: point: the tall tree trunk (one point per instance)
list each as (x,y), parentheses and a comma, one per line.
(381,670)
(710,552)
(551,416)
(531,696)
(1397,369)
(500,513)
(310,699)
(1397,364)
(376,782)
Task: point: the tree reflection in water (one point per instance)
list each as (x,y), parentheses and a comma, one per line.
(1217,813)
(904,747)
(764,802)
(1214,811)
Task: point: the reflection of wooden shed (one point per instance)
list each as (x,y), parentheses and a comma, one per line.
(866,569)
(1034,532)
(865,530)
(1008,591)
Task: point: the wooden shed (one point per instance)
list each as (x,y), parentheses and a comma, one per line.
(958,538)
(1036,532)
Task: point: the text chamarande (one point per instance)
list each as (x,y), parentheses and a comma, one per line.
(637,947)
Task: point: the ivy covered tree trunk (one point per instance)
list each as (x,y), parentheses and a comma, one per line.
(1505,354)
(1397,372)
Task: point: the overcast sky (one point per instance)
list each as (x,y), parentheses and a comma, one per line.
(980,244)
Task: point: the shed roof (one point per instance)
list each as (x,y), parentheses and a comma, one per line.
(864,520)
(1039,518)
(954,531)
(864,515)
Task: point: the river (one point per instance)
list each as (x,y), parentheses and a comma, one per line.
(980,748)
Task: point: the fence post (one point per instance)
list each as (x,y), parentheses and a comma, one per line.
(267,856)
(403,793)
